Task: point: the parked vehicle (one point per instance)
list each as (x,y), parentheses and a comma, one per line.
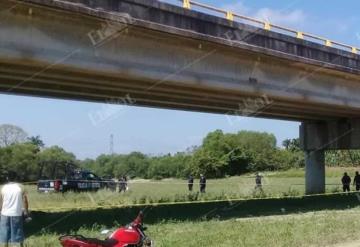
(78,180)
(131,235)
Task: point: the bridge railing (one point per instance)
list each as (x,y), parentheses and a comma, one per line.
(231,16)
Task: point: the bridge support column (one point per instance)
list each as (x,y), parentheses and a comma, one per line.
(314,172)
(316,137)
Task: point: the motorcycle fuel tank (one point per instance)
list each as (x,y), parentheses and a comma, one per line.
(126,235)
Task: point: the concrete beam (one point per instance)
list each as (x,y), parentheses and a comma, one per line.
(168,57)
(325,135)
(174,19)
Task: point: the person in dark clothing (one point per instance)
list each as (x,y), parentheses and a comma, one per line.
(346,181)
(122,184)
(357,181)
(191,183)
(202,183)
(258,182)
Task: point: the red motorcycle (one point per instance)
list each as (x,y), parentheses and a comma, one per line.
(131,235)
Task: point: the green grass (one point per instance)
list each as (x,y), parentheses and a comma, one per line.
(310,229)
(332,173)
(302,230)
(243,221)
(276,184)
(308,221)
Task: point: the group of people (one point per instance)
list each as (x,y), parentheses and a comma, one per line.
(346,182)
(202,183)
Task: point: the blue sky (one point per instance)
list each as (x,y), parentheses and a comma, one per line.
(70,124)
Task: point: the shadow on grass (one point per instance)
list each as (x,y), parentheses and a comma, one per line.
(65,222)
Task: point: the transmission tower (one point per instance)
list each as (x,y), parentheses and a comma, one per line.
(111,144)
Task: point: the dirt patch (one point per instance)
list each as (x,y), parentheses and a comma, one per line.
(348,244)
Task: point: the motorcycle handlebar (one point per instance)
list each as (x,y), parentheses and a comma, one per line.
(139,219)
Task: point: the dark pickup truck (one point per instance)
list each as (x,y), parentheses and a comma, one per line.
(78,181)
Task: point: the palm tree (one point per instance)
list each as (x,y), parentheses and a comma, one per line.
(286,143)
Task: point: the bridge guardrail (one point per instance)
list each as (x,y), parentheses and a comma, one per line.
(231,16)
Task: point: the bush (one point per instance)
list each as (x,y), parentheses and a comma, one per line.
(291,193)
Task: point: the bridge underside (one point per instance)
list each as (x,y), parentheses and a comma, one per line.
(72,51)
(53,53)
(66,83)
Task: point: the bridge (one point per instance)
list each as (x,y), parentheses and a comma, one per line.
(173,57)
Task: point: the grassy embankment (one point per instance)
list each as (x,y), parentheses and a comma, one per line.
(310,221)
(316,230)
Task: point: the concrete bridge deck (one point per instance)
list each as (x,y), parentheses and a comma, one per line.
(165,56)
(149,53)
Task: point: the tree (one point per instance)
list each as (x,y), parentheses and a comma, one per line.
(168,166)
(55,162)
(134,164)
(295,145)
(212,157)
(22,159)
(221,154)
(89,164)
(36,140)
(5,158)
(106,164)
(286,143)
(11,134)
(233,154)
(342,157)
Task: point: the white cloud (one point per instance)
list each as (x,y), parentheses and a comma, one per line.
(294,18)
(238,8)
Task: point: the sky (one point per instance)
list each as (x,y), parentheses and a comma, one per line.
(71,124)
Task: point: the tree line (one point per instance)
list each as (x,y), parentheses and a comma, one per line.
(29,158)
(219,155)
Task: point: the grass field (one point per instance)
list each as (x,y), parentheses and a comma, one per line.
(276,184)
(291,221)
(309,229)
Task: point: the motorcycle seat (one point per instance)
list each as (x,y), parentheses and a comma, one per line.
(105,243)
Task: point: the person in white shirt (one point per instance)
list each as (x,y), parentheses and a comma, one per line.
(14,206)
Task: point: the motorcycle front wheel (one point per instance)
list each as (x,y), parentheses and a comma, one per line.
(148,243)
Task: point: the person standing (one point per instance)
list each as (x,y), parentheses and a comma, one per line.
(357,181)
(126,186)
(258,181)
(202,183)
(190,182)
(14,206)
(346,181)
(122,184)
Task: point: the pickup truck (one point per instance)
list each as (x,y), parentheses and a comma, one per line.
(78,181)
